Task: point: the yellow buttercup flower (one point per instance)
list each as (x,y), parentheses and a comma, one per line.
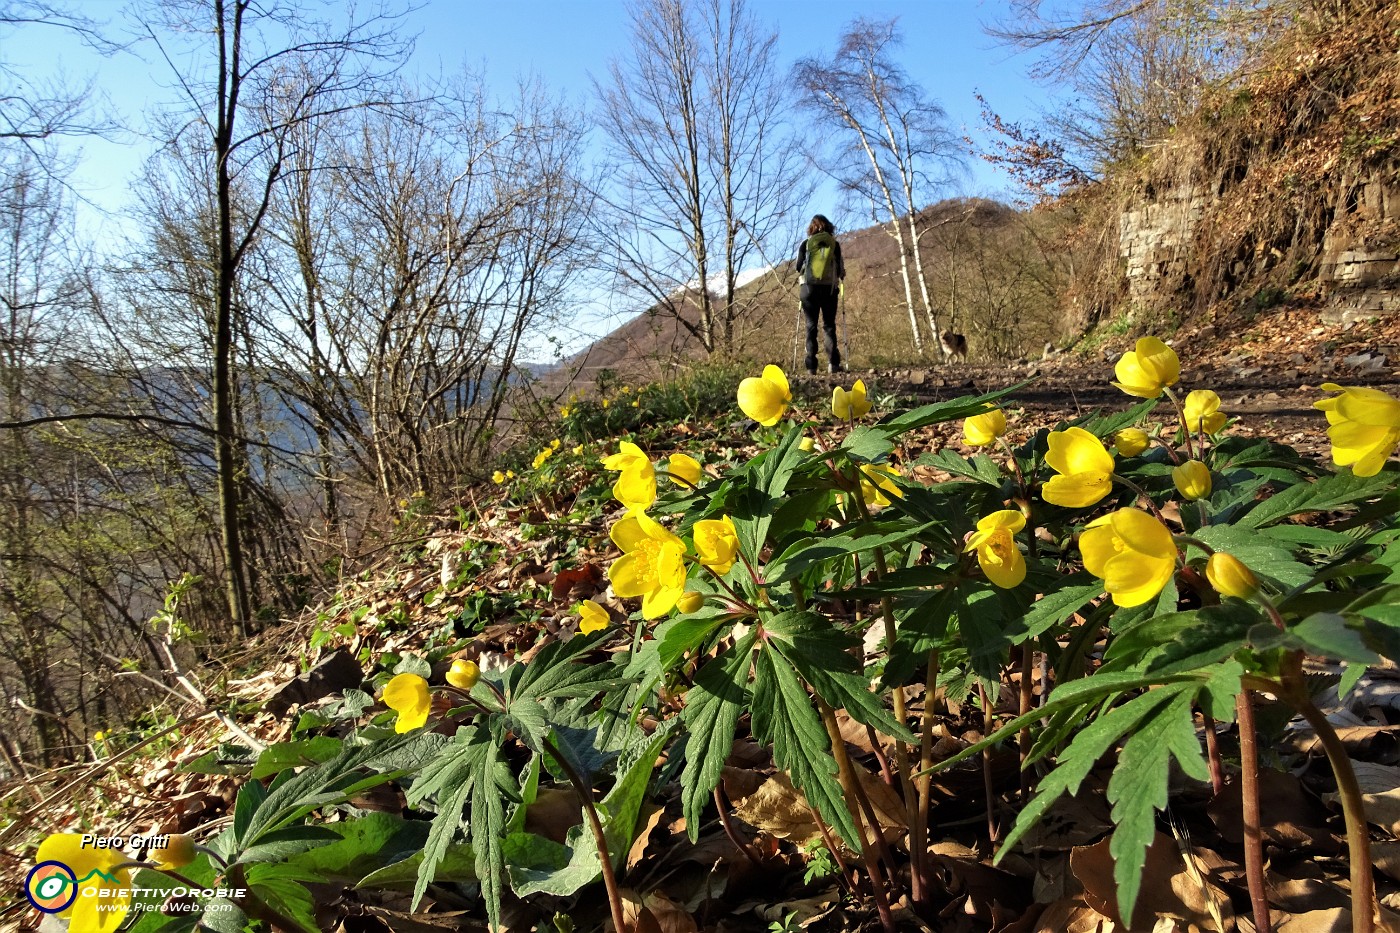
(578,451)
(593,617)
(683,469)
(876,487)
(717,543)
(541,457)
(636,404)
(554,444)
(103,896)
(765,398)
(564,412)
(982,430)
(636,486)
(498,477)
(179,851)
(1201,412)
(1365,427)
(1132,552)
(996,549)
(99,736)
(1230,576)
(606,403)
(651,565)
(806,445)
(1192,480)
(1084,465)
(407,695)
(1148,369)
(510,474)
(849,405)
(463,674)
(1131,441)
(690,601)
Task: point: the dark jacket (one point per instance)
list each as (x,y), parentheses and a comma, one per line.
(802,262)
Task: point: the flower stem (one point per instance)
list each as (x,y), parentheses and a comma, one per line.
(721,805)
(1249,796)
(585,796)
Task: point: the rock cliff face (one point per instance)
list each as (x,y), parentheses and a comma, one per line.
(1287,185)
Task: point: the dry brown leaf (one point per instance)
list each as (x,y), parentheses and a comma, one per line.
(1333,920)
(1380,791)
(1386,857)
(1073,915)
(780,810)
(649,818)
(654,912)
(552,813)
(1290,817)
(1167,887)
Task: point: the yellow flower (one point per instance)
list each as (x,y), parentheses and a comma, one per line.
(103,892)
(564,412)
(178,852)
(1192,480)
(407,695)
(982,430)
(683,469)
(541,457)
(99,736)
(578,451)
(717,543)
(636,486)
(1148,369)
(498,477)
(606,403)
(765,398)
(463,674)
(651,564)
(1230,576)
(876,487)
(1131,441)
(593,617)
(1202,412)
(626,390)
(636,404)
(1365,427)
(1132,552)
(510,474)
(996,549)
(848,405)
(1084,465)
(554,444)
(806,445)
(690,601)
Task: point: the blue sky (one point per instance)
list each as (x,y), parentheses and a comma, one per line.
(563,42)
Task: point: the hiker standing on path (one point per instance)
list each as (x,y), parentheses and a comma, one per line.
(819,263)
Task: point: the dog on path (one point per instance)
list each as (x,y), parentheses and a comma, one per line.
(954,346)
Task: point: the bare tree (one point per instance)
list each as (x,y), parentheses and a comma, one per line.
(707,176)
(259,53)
(891,145)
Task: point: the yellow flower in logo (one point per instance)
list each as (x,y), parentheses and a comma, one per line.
(765,398)
(103,896)
(1201,412)
(636,487)
(463,674)
(1365,427)
(683,469)
(593,617)
(717,543)
(1230,576)
(996,549)
(1131,441)
(983,430)
(1085,467)
(1148,369)
(1132,552)
(651,565)
(407,695)
(849,405)
(1192,480)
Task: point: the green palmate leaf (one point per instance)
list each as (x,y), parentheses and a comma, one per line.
(819,652)
(1268,559)
(679,636)
(1185,641)
(280,887)
(282,844)
(1329,492)
(783,714)
(866,445)
(1138,787)
(940,412)
(553,672)
(364,845)
(488,819)
(285,755)
(980,467)
(759,489)
(219,915)
(529,720)
(1328,635)
(458,864)
(1089,745)
(838,544)
(1105,425)
(710,716)
(1067,597)
(922,628)
(250,798)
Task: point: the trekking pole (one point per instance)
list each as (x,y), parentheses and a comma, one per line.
(796,336)
(845,328)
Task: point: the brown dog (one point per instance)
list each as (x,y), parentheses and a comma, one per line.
(954,346)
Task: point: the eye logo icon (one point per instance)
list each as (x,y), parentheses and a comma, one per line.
(51,887)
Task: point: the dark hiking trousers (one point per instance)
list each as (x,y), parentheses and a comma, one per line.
(820,300)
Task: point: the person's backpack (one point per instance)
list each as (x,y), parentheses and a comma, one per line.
(821,260)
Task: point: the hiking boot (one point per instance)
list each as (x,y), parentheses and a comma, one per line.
(835,368)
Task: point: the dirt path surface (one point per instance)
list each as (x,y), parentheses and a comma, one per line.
(1268,372)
